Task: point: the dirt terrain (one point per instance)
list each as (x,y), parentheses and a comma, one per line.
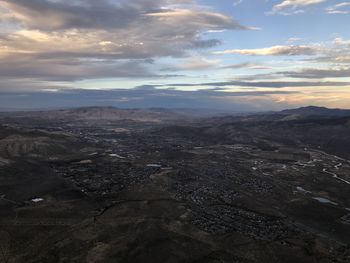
(227,189)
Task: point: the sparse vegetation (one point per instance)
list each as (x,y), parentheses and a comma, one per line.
(228,189)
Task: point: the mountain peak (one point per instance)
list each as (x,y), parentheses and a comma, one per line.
(317,111)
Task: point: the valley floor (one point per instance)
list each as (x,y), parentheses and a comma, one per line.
(168,193)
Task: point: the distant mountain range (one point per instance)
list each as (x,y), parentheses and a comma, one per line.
(162,114)
(99,114)
(316,111)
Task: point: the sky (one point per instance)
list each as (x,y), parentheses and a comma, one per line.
(238,55)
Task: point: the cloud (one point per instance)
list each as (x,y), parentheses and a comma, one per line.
(313,73)
(337,53)
(73,71)
(288,7)
(293,39)
(264,84)
(187,17)
(246,65)
(341,42)
(194,63)
(12,86)
(204,43)
(141,97)
(335,58)
(237,2)
(338,8)
(296,3)
(72,40)
(58,15)
(289,50)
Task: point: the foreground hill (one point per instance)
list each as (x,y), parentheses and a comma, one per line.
(24,143)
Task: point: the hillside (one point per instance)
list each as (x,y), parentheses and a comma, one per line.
(101,114)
